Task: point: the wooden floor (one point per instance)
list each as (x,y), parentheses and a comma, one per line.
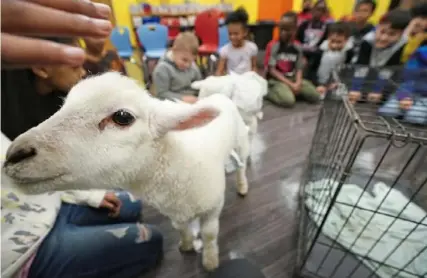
(262,226)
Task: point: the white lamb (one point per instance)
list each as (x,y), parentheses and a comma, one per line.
(245,90)
(110,133)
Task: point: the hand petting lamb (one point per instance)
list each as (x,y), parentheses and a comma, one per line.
(110,133)
(245,90)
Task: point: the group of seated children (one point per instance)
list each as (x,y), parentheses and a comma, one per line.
(300,63)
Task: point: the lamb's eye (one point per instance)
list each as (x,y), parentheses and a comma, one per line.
(123,117)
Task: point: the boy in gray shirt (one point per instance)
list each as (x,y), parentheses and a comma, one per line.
(173,75)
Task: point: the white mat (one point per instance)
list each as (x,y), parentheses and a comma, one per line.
(411,239)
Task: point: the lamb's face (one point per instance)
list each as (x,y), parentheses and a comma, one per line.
(100,138)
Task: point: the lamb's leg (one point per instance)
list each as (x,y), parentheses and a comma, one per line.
(209,231)
(186,236)
(253,128)
(243,151)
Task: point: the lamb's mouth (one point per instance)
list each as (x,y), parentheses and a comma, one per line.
(36,180)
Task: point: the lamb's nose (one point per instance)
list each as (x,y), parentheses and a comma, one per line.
(20,154)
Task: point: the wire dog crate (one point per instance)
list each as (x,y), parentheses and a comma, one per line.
(363,195)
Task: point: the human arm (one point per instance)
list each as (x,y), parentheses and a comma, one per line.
(364,53)
(299,67)
(300,32)
(349,56)
(221,67)
(222,63)
(191,93)
(324,35)
(254,63)
(267,54)
(94,198)
(91,198)
(298,81)
(406,88)
(254,55)
(279,76)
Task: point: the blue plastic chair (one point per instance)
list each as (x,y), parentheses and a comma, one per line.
(223,36)
(154,38)
(150,19)
(120,38)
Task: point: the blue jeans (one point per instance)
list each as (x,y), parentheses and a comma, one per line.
(417,114)
(85,242)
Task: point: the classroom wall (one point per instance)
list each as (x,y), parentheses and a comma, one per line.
(123,18)
(122,15)
(338,8)
(341,8)
(251,6)
(257,9)
(382,8)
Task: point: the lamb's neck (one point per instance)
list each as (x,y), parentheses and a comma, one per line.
(154,182)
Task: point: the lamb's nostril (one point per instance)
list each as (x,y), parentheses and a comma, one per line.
(20,154)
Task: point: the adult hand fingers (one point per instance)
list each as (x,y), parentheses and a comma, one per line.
(84,7)
(23,17)
(21,52)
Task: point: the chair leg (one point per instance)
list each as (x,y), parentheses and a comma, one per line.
(212,64)
(149,65)
(204,65)
(145,72)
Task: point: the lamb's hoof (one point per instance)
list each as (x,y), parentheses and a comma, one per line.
(186,248)
(242,194)
(242,191)
(210,262)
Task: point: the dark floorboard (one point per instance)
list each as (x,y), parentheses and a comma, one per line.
(261,226)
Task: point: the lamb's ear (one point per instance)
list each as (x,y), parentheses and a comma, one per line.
(186,117)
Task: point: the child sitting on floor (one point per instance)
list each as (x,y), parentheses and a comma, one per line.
(239,55)
(359,21)
(305,13)
(384,46)
(311,32)
(31,96)
(332,53)
(286,68)
(362,13)
(90,234)
(410,100)
(173,75)
(274,41)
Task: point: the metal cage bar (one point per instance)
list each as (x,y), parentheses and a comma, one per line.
(379,158)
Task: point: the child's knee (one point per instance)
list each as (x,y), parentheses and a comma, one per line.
(282,97)
(153,235)
(416,116)
(309,92)
(151,242)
